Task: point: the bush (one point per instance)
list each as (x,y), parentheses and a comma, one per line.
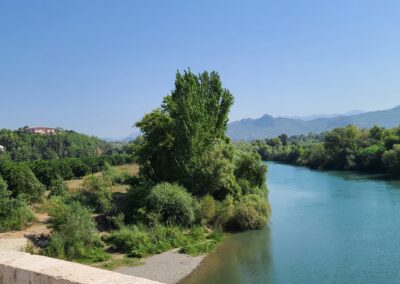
(139,241)
(58,188)
(132,241)
(208,209)
(391,160)
(96,193)
(135,202)
(22,182)
(74,234)
(173,204)
(252,212)
(14,212)
(250,168)
(225,213)
(199,248)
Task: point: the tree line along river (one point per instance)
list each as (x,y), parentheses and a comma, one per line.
(326,227)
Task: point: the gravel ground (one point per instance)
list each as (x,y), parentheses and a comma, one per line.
(13,244)
(169,267)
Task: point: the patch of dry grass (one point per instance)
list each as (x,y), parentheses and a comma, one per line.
(133,169)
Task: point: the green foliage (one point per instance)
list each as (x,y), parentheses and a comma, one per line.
(341,145)
(3,184)
(96,193)
(369,158)
(21,181)
(215,172)
(136,198)
(198,248)
(74,233)
(58,188)
(23,146)
(391,160)
(172,204)
(184,143)
(347,148)
(208,209)
(139,241)
(116,177)
(177,136)
(251,213)
(14,212)
(250,172)
(51,170)
(225,212)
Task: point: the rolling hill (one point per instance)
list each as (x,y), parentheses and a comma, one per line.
(268,126)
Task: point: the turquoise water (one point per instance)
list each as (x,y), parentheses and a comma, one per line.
(326,227)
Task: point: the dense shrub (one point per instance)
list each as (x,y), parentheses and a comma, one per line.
(214,172)
(134,204)
(139,241)
(58,188)
(251,213)
(74,233)
(22,181)
(14,212)
(96,193)
(173,204)
(208,209)
(225,211)
(391,160)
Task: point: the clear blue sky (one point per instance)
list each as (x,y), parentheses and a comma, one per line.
(98,66)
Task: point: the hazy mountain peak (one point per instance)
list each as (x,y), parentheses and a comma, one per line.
(268,126)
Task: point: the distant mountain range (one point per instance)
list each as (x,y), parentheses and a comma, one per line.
(268,126)
(128,138)
(328,115)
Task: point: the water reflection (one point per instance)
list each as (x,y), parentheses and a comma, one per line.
(241,258)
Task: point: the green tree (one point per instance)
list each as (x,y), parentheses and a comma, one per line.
(284,139)
(74,233)
(14,213)
(190,120)
(22,181)
(341,145)
(391,160)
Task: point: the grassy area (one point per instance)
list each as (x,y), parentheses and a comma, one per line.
(118,260)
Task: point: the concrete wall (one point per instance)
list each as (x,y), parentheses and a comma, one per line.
(24,268)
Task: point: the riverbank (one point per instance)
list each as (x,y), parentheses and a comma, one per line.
(169,267)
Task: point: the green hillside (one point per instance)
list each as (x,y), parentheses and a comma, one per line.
(23,146)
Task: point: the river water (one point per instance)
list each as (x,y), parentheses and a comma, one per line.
(326,227)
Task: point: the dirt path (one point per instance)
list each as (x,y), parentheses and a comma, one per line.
(17,240)
(169,267)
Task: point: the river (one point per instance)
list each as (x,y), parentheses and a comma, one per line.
(326,227)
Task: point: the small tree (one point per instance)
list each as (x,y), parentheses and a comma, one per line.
(74,233)
(14,213)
